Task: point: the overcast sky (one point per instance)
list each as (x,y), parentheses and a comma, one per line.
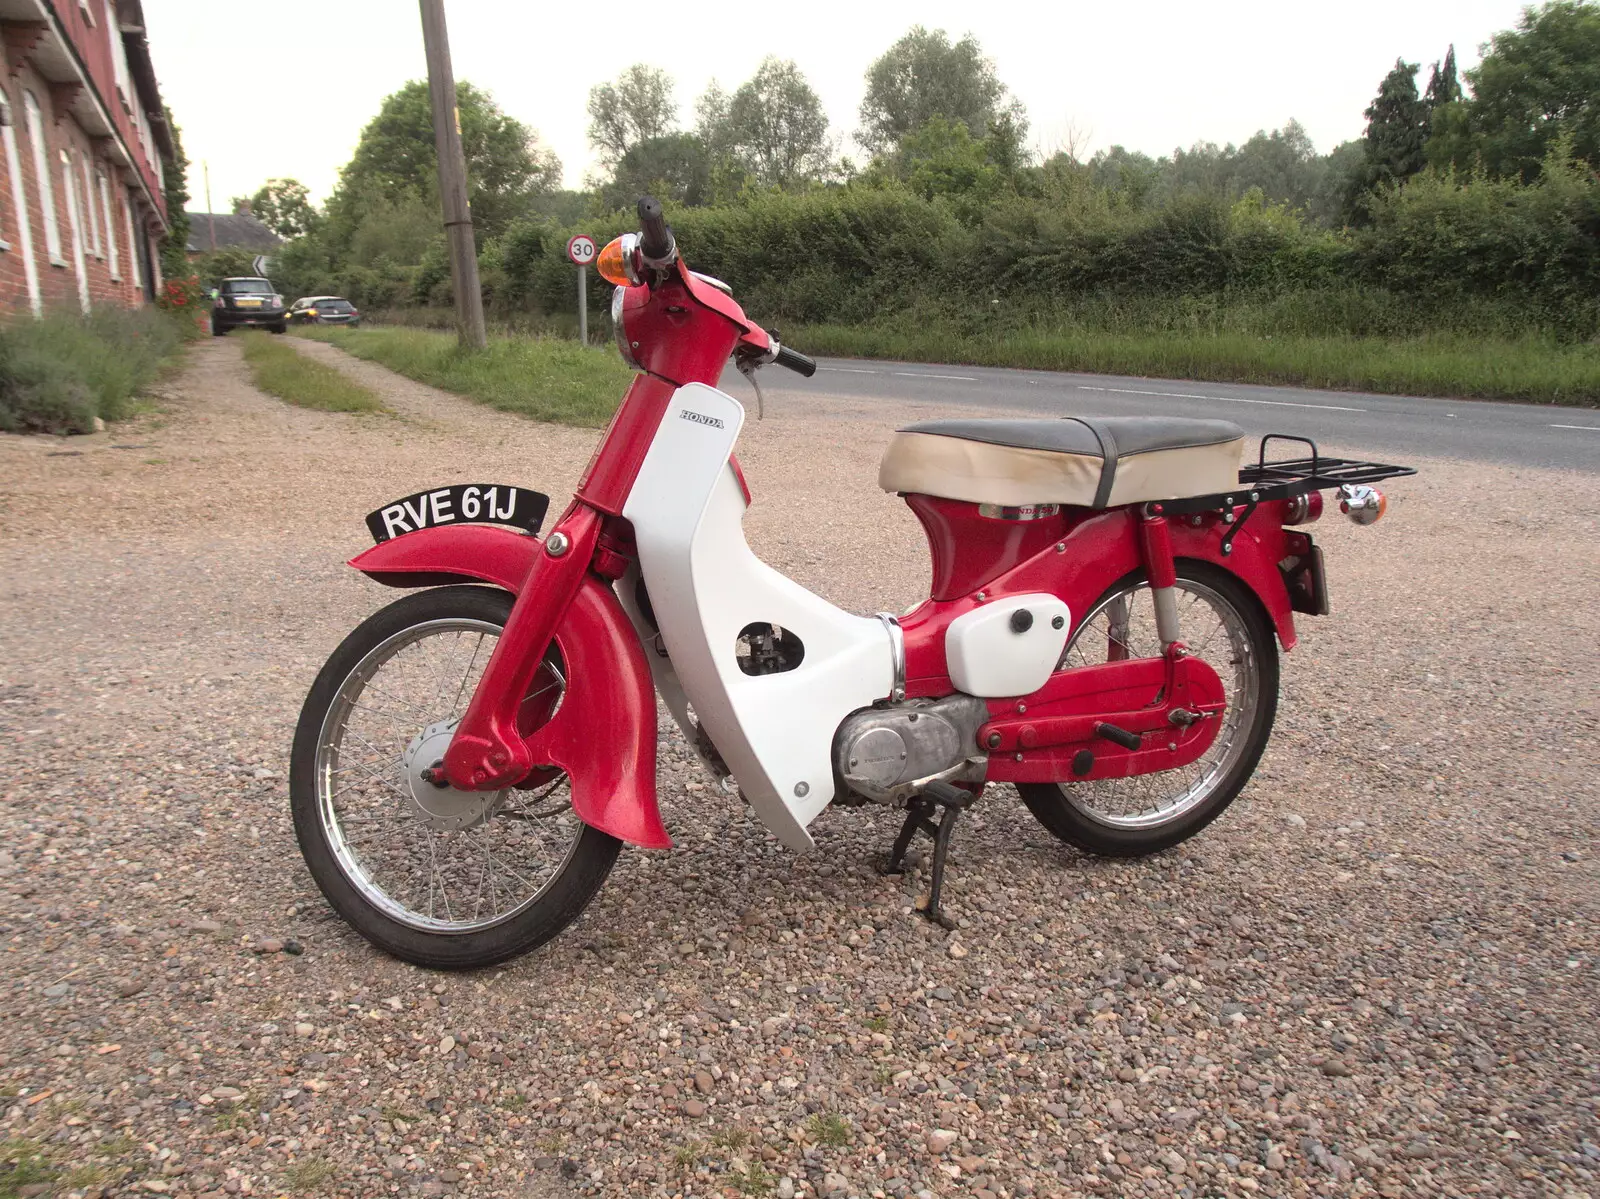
(284,89)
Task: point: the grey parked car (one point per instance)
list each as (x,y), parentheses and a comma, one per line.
(324,310)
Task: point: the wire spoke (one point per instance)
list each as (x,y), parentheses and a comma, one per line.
(467,860)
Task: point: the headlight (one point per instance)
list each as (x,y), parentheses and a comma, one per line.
(277,301)
(620,330)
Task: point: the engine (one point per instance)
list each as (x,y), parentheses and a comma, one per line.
(889,754)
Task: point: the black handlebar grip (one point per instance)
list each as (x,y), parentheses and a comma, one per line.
(796,361)
(655,238)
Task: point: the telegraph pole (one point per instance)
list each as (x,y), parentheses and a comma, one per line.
(453,177)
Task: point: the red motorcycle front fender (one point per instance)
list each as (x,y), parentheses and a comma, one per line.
(604,733)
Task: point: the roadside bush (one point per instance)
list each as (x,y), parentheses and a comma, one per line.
(1445,253)
(57,375)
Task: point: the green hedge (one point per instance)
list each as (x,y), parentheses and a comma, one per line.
(1445,253)
(59,374)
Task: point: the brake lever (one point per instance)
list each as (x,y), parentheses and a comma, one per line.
(748,365)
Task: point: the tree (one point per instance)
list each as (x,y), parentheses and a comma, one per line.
(671,167)
(506,165)
(1444,86)
(776,125)
(944,159)
(637,107)
(1396,139)
(1537,84)
(282,205)
(924,75)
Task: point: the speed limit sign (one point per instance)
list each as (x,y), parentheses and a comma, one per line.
(581,249)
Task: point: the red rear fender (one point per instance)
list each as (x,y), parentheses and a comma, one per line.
(604,733)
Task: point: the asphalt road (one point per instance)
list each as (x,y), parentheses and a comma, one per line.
(1393,426)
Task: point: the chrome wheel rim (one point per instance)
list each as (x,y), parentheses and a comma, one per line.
(433,858)
(1123,625)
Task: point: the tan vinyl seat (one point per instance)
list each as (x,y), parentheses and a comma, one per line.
(1096,462)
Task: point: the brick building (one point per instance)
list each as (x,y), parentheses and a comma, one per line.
(82,144)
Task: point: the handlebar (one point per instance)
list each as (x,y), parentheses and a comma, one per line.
(655,238)
(796,361)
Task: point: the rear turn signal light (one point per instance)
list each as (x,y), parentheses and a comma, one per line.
(1303,509)
(1361,503)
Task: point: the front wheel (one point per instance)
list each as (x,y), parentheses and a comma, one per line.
(439,877)
(1224,625)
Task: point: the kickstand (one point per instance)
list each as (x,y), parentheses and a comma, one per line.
(919,818)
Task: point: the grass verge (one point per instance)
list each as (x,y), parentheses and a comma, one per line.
(540,377)
(1529,369)
(281,370)
(63,373)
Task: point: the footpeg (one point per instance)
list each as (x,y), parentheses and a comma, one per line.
(919,818)
(1122,737)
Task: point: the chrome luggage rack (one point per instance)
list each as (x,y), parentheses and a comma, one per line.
(1285,477)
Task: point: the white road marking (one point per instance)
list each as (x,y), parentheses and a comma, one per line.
(928,375)
(1188,395)
(1585,428)
(847,370)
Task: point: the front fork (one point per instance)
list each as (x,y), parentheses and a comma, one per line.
(487,751)
(1155,546)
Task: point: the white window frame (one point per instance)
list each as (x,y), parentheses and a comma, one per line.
(133,243)
(41,169)
(106,211)
(75,222)
(119,65)
(19,204)
(92,239)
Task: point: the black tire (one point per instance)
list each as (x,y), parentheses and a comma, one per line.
(558,904)
(1049,802)
(280,328)
(218,330)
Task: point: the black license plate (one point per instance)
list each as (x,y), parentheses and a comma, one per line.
(460,504)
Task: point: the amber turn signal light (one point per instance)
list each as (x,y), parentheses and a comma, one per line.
(615,260)
(1361,503)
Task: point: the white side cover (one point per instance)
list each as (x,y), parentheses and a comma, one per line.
(774,731)
(988,657)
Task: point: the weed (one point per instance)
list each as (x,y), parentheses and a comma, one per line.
(392,1113)
(513,1103)
(544,378)
(116,1146)
(879,1023)
(24,1163)
(237,1117)
(687,1156)
(731,1138)
(753,1180)
(308,1174)
(830,1129)
(883,1075)
(59,374)
(81,1178)
(281,370)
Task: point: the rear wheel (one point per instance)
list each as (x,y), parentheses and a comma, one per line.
(1224,625)
(440,877)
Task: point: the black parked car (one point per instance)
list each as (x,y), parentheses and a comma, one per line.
(324,310)
(247,302)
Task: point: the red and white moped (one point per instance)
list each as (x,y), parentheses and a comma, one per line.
(1102,632)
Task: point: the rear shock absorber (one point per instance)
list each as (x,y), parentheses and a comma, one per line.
(1156,544)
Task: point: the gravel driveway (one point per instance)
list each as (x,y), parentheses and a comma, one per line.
(1378,973)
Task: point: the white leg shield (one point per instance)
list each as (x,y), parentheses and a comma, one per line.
(775,731)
